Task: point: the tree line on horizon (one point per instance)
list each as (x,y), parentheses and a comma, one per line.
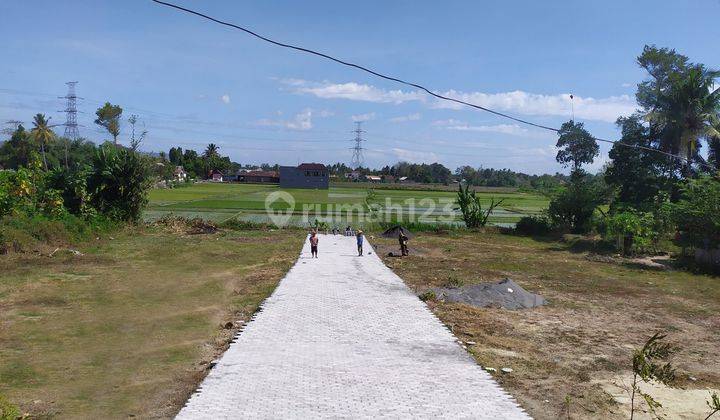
(641,193)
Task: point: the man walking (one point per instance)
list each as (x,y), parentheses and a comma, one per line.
(313,244)
(359,236)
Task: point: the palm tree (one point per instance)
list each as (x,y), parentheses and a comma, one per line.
(42,133)
(688,110)
(714,148)
(211,150)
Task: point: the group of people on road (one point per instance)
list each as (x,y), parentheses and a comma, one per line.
(359,237)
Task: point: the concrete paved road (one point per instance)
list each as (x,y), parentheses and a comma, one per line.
(343,337)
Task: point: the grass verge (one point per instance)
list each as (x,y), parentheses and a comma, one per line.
(128,327)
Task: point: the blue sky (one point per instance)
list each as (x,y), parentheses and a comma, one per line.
(192,82)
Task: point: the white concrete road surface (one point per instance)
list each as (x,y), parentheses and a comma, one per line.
(343,337)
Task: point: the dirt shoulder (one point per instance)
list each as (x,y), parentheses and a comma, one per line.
(571,354)
(128,326)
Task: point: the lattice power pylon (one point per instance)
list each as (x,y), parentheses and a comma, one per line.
(12,127)
(357,157)
(71,125)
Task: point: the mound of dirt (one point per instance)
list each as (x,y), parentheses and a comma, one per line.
(504,294)
(179,224)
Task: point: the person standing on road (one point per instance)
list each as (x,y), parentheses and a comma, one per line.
(403,244)
(359,236)
(313,244)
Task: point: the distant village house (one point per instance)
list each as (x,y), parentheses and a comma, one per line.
(216,176)
(305,175)
(179,174)
(257,176)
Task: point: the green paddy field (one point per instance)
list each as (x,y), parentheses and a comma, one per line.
(355,204)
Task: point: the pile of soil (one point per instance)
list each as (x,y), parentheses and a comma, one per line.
(504,294)
(179,224)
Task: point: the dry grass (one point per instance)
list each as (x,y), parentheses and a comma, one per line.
(563,353)
(128,327)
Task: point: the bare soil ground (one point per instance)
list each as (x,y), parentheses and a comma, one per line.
(571,357)
(129,327)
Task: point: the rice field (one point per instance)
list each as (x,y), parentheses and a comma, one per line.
(338,205)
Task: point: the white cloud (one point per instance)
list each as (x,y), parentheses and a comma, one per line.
(516,102)
(452,124)
(414,156)
(626,85)
(301,121)
(405,118)
(364,117)
(602,109)
(225,98)
(352,91)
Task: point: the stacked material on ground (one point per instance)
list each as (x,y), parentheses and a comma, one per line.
(504,294)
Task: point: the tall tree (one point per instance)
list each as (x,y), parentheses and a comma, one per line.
(714,151)
(212,150)
(42,133)
(660,63)
(176,156)
(687,111)
(17,152)
(576,145)
(108,117)
(638,174)
(680,101)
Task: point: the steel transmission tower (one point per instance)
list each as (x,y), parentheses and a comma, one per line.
(357,157)
(71,125)
(14,124)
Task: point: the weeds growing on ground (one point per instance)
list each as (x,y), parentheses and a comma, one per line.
(647,367)
(7,410)
(454,282)
(428,295)
(714,404)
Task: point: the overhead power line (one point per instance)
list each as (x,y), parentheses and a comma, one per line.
(404,82)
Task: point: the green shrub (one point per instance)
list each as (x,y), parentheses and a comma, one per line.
(632,230)
(573,206)
(471,208)
(119,183)
(22,232)
(27,191)
(73,187)
(697,214)
(534,225)
(17,190)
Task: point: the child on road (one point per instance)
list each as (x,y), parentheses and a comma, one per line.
(313,244)
(359,236)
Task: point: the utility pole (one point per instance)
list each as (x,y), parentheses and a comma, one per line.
(71,125)
(357,157)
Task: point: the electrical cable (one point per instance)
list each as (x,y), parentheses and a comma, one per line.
(401,81)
